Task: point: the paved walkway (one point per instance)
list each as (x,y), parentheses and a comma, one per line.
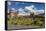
(23,27)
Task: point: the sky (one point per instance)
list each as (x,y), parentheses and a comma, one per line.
(26,7)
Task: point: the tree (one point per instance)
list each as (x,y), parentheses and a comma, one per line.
(32,14)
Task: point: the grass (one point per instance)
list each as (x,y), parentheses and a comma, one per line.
(25,21)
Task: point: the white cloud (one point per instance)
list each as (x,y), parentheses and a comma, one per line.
(20,9)
(35,8)
(30,8)
(40,11)
(12,8)
(22,12)
(35,11)
(9,3)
